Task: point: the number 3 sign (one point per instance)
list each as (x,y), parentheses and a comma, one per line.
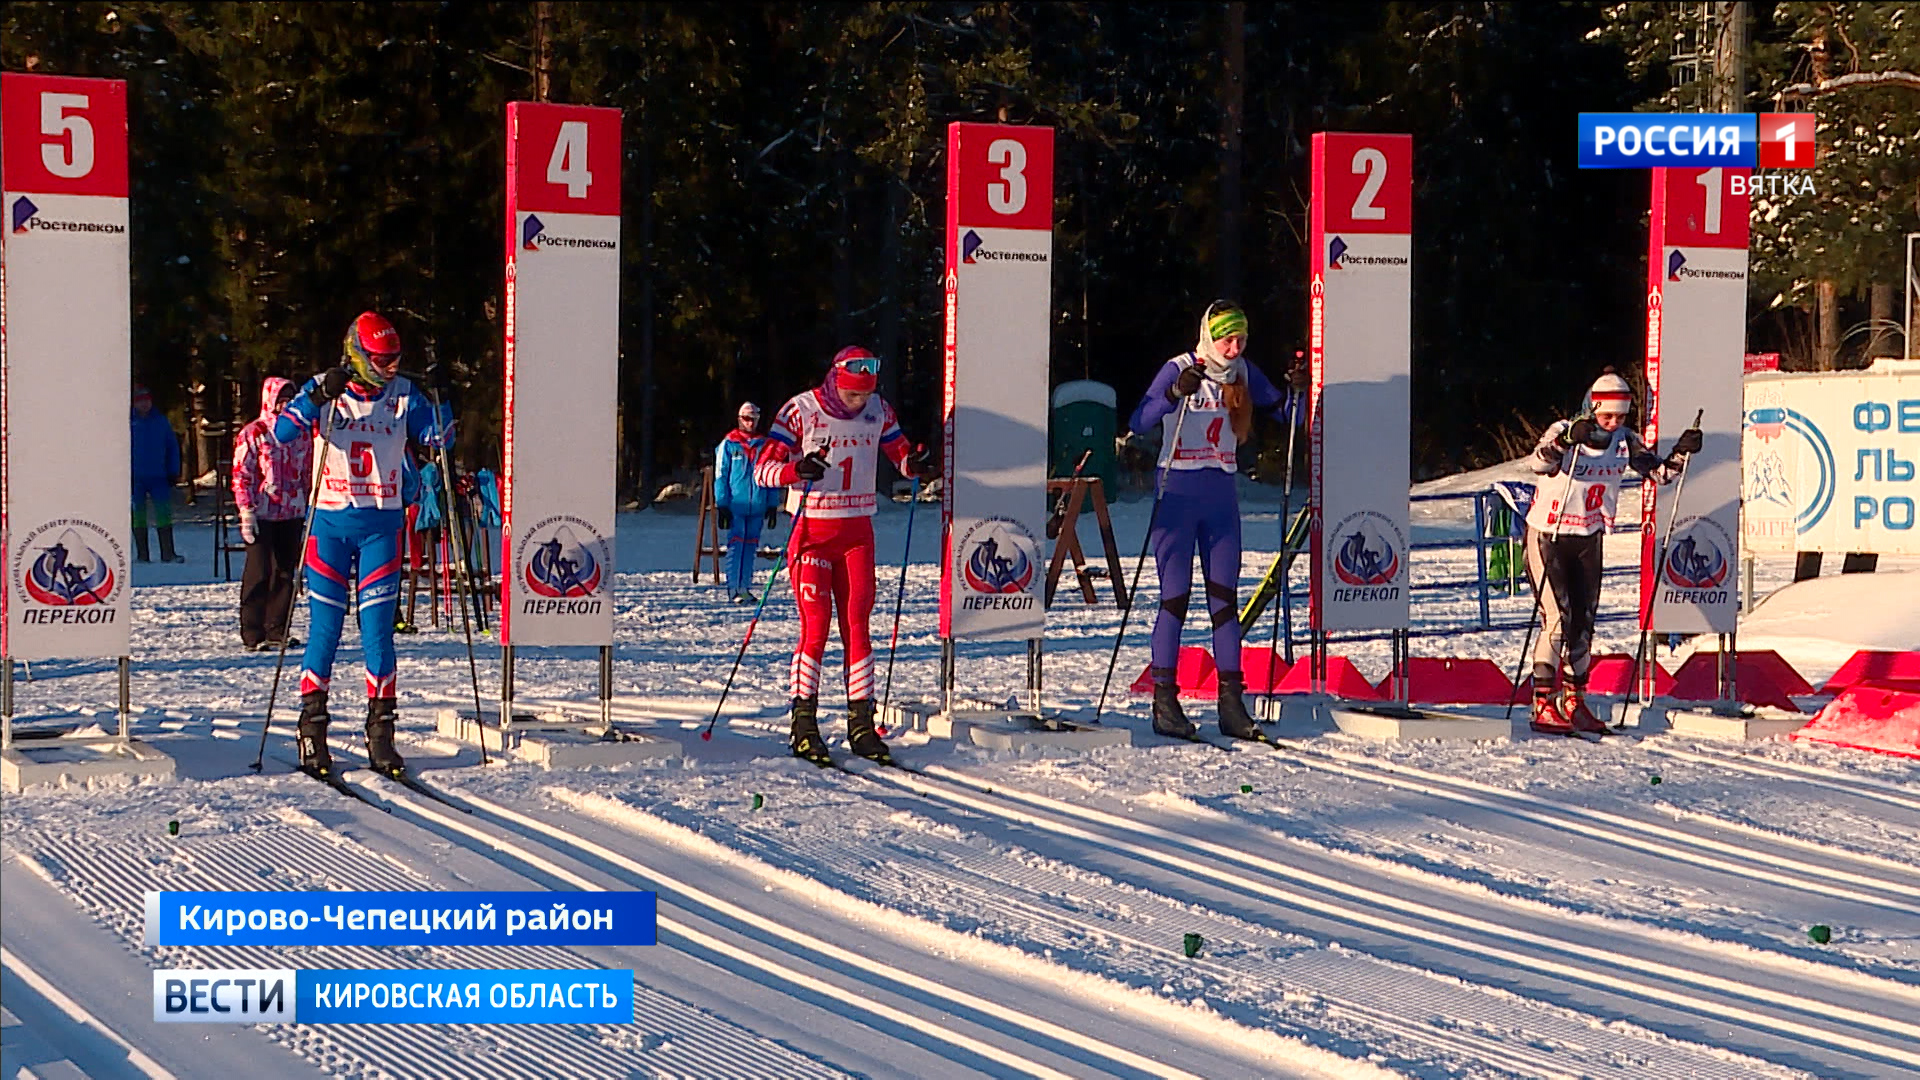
(1001,175)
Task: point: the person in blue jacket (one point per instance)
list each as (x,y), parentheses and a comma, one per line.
(368,411)
(741,503)
(1203,401)
(156,465)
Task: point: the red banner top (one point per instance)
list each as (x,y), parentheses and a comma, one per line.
(1702,208)
(563,158)
(64,135)
(1363,183)
(1000,176)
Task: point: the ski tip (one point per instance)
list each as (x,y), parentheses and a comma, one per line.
(706,736)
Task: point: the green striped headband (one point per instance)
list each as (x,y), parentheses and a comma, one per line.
(1226,323)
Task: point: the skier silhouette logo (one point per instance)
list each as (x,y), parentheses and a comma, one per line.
(1770,481)
(23,210)
(1696,563)
(1336,250)
(563,567)
(529,229)
(1365,560)
(68,573)
(989,571)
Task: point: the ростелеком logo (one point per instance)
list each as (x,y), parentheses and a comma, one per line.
(23,209)
(529,229)
(1336,250)
(969,244)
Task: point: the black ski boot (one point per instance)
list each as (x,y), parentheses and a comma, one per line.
(861,736)
(167,553)
(1168,717)
(1234,721)
(314,757)
(805,739)
(141,553)
(381,755)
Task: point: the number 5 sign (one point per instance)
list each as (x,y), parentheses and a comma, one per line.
(1360,344)
(64,367)
(562,373)
(999,295)
(1696,361)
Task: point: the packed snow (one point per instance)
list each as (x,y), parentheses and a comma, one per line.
(1526,907)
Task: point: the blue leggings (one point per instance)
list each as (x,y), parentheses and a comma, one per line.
(1200,508)
(342,541)
(743,544)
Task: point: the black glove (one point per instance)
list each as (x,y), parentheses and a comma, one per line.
(726,518)
(773,516)
(920,464)
(1689,441)
(332,383)
(1580,432)
(1300,377)
(812,467)
(1187,384)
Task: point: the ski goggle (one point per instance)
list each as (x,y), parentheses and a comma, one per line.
(860,365)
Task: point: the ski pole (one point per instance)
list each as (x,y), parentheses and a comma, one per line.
(1133,588)
(799,518)
(1286,507)
(899,598)
(1659,566)
(457,546)
(299,581)
(1539,596)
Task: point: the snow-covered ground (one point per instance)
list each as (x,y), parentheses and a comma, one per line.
(1530,907)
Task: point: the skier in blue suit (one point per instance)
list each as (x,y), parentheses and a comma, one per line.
(741,503)
(372,411)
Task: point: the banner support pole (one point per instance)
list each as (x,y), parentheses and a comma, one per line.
(126,703)
(606,691)
(6,704)
(506,696)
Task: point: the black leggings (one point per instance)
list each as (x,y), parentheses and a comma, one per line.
(1570,601)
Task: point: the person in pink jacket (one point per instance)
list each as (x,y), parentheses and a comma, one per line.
(270,482)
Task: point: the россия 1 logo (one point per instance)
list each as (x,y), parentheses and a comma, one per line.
(1696,140)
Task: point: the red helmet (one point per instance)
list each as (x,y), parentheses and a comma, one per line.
(856,369)
(373,350)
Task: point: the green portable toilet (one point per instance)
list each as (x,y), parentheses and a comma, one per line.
(1085,417)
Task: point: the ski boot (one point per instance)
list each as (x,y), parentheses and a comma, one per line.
(805,737)
(862,739)
(1234,721)
(381,755)
(1168,718)
(1547,718)
(1573,706)
(167,553)
(314,757)
(141,553)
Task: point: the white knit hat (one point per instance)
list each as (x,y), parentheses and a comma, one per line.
(749,409)
(1609,394)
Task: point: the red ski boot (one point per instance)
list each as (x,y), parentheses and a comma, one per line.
(1573,706)
(1547,718)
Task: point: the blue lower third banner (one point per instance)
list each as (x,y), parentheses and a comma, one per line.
(399,918)
(400,996)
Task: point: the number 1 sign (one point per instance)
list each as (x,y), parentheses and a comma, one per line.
(562,373)
(1360,345)
(1696,360)
(999,294)
(64,362)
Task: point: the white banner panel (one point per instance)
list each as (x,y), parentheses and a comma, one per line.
(1829,462)
(1697,345)
(999,295)
(64,367)
(562,374)
(1360,344)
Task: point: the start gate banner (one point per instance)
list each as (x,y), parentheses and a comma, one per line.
(1696,358)
(999,295)
(65,349)
(1828,461)
(562,374)
(1360,324)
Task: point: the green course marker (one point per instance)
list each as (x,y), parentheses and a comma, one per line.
(758,802)
(173,828)
(1653,780)
(1820,933)
(1191,944)
(1246,789)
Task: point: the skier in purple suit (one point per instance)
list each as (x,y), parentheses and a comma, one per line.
(1203,401)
